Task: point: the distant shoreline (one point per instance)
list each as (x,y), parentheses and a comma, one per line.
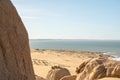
(68,50)
(78,51)
(101,54)
(110,47)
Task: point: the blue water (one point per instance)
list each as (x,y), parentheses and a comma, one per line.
(111,47)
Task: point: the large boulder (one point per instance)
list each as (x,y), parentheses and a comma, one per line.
(98,68)
(15,60)
(69,77)
(39,78)
(56,73)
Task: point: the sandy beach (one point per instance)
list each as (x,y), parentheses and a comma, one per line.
(43,59)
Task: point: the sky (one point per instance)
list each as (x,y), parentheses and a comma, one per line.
(70,19)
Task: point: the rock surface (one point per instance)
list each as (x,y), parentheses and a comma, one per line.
(97,68)
(69,77)
(56,73)
(39,78)
(15,60)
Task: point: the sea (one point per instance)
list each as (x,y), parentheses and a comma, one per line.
(111,47)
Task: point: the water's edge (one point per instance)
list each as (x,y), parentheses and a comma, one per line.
(110,47)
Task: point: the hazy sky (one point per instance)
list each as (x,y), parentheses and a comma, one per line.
(70,19)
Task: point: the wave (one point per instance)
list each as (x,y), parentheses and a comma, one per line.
(116,57)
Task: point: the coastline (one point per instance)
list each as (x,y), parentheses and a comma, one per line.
(109,47)
(44,59)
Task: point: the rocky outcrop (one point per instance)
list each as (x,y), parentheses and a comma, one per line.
(39,78)
(15,61)
(69,77)
(56,73)
(97,68)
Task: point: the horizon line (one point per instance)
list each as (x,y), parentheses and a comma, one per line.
(69,39)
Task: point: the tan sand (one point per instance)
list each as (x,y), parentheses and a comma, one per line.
(44,59)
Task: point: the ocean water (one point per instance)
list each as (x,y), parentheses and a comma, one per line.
(111,47)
